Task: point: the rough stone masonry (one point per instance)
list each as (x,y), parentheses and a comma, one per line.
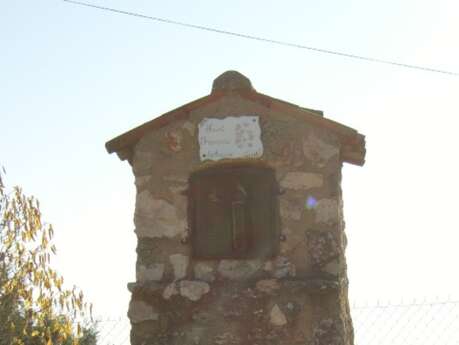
(296,295)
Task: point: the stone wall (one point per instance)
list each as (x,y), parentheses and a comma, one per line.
(298,297)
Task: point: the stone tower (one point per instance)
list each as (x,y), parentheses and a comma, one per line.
(239,222)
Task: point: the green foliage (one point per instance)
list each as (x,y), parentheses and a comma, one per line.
(35,308)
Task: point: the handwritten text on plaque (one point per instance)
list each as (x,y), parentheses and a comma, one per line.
(231,137)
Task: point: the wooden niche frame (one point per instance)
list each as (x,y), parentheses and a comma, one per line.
(233,211)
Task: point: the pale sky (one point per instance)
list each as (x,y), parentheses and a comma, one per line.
(72,78)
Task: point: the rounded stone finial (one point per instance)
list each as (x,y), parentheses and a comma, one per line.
(230,81)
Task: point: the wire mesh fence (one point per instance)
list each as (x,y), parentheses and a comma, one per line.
(415,323)
(113,331)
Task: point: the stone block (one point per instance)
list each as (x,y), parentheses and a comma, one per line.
(140,311)
(328,331)
(268,286)
(322,246)
(327,211)
(277,317)
(239,269)
(179,265)
(156,218)
(204,272)
(298,180)
(293,241)
(190,127)
(193,290)
(333,267)
(283,268)
(141,181)
(170,290)
(318,151)
(142,162)
(290,209)
(150,273)
(173,141)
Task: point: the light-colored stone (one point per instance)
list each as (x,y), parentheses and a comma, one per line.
(195,333)
(191,128)
(204,272)
(327,211)
(333,267)
(268,266)
(176,179)
(227,338)
(298,180)
(156,218)
(140,181)
(294,240)
(269,286)
(283,268)
(290,210)
(140,311)
(179,265)
(322,246)
(142,162)
(173,141)
(177,190)
(318,151)
(153,272)
(193,290)
(277,317)
(239,269)
(170,290)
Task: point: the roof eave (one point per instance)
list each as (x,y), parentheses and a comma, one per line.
(352,142)
(130,138)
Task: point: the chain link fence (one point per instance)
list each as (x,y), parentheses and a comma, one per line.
(415,323)
(113,331)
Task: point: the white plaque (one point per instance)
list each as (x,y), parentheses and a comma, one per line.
(231,137)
